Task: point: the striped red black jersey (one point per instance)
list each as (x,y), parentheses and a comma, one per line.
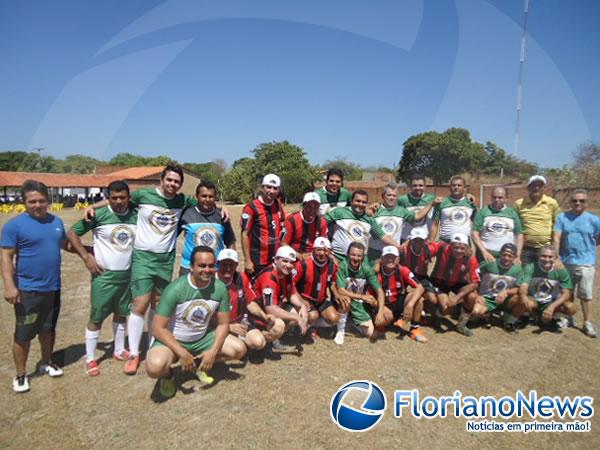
(301,235)
(240,294)
(418,264)
(312,281)
(271,289)
(451,271)
(264,224)
(394,285)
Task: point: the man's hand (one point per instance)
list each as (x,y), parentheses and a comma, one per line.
(380,319)
(369,299)
(344,301)
(547,314)
(225,216)
(518,261)
(303,324)
(208,359)
(501,297)
(238,328)
(89,213)
(186,360)
(12,295)
(487,256)
(470,197)
(92,265)
(270,321)
(249,266)
(436,201)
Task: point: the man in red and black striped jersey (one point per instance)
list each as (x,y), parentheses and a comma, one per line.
(315,276)
(406,307)
(262,226)
(243,308)
(303,227)
(275,290)
(456,270)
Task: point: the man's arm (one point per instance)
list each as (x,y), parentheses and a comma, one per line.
(465,290)
(478,242)
(301,307)
(379,318)
(160,330)
(90,211)
(565,295)
(556,237)
(248,264)
(11,292)
(88,258)
(286,316)
(422,213)
(520,243)
(209,356)
(433,233)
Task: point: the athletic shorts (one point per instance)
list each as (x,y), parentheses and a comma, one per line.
(315,306)
(583,280)
(150,271)
(360,312)
(443,288)
(195,347)
(111,293)
(490,303)
(36,313)
(541,307)
(426,283)
(397,307)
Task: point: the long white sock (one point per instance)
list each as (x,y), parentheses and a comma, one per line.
(341,325)
(135,328)
(119,333)
(91,342)
(149,326)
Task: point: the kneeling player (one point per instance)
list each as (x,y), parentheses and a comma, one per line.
(405,307)
(354,279)
(190,302)
(500,281)
(241,297)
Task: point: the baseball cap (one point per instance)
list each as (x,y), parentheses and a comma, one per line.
(322,242)
(228,253)
(311,197)
(418,233)
(390,250)
(459,238)
(286,252)
(537,178)
(510,247)
(271,180)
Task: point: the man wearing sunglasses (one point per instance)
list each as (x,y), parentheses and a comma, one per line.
(576,235)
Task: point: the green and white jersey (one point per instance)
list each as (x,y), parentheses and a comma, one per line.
(191,308)
(546,287)
(330,202)
(391,221)
(454,217)
(497,228)
(157,219)
(348,228)
(114,236)
(416,204)
(495,278)
(357,281)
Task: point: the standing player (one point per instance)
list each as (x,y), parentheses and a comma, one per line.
(114,228)
(454,214)
(496,225)
(413,201)
(333,194)
(189,303)
(203,225)
(33,240)
(303,227)
(262,225)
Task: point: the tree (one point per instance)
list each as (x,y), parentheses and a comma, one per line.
(13,161)
(587,164)
(239,183)
(79,164)
(498,161)
(352,171)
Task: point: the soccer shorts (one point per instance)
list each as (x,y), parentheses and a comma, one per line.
(36,313)
(360,313)
(150,271)
(111,293)
(194,347)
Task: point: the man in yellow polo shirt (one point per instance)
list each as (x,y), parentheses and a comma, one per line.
(538,213)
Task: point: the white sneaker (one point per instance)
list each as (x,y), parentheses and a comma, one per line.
(562,323)
(50,369)
(588,328)
(339,338)
(21,384)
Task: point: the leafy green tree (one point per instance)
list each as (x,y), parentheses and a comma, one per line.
(127,160)
(587,165)
(14,161)
(498,161)
(79,164)
(238,185)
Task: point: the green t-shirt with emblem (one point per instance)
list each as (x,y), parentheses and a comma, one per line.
(416,204)
(454,217)
(391,221)
(546,287)
(357,280)
(495,278)
(349,227)
(497,228)
(330,201)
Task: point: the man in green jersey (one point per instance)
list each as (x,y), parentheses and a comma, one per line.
(453,215)
(415,200)
(496,225)
(333,194)
(113,228)
(189,303)
(500,281)
(546,290)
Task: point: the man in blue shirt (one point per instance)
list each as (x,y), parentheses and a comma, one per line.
(576,235)
(35,238)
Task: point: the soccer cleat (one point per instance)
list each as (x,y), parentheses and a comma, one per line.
(205,378)
(21,384)
(588,329)
(167,387)
(51,370)
(402,324)
(562,323)
(122,356)
(339,338)
(510,328)
(418,335)
(92,368)
(464,330)
(132,364)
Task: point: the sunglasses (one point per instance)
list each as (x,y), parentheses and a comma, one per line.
(577,200)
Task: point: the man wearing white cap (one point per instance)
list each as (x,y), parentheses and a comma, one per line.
(538,213)
(306,225)
(276,293)
(262,225)
(456,271)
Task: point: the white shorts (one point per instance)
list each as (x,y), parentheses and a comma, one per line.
(583,280)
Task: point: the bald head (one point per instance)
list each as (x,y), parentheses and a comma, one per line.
(498,197)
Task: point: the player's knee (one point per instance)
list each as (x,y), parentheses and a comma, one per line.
(367,329)
(233,348)
(313,316)
(157,364)
(255,340)
(331,316)
(276,331)
(569,308)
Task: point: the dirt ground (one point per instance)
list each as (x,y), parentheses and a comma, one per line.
(285,404)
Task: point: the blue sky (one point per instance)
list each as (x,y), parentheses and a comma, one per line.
(200,80)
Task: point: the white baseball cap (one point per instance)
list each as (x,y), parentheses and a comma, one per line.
(322,242)
(418,233)
(390,250)
(459,238)
(311,197)
(228,253)
(286,252)
(271,180)
(535,178)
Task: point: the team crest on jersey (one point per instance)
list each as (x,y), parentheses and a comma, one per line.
(197,312)
(356,285)
(459,216)
(389,225)
(493,284)
(358,231)
(122,238)
(498,226)
(163,221)
(544,290)
(207,236)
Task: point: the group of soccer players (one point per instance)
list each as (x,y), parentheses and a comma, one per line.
(393,265)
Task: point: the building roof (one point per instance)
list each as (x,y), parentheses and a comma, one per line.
(15,179)
(135,173)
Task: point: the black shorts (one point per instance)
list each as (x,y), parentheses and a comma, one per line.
(426,283)
(445,289)
(37,313)
(397,307)
(314,306)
